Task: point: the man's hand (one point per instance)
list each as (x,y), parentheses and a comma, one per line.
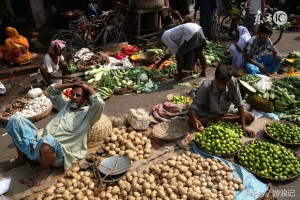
(86,87)
(261,68)
(196,125)
(277,55)
(248,133)
(157,65)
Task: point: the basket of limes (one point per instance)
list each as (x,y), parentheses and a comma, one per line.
(220,139)
(283,132)
(269,161)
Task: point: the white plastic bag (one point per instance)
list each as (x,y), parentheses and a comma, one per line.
(2,89)
(264,84)
(4,184)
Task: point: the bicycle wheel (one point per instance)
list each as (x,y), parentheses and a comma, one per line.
(276,35)
(73,41)
(229,25)
(114,35)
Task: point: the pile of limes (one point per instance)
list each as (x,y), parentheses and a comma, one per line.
(220,138)
(270,160)
(289,133)
(181,99)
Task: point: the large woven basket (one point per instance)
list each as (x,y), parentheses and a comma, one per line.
(35,118)
(148,4)
(171,130)
(100,130)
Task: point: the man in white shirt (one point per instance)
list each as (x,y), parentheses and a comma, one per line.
(184,41)
(255,12)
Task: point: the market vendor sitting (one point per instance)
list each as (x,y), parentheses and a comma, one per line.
(16,47)
(55,68)
(64,140)
(255,61)
(213,99)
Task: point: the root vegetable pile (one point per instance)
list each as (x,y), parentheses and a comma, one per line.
(75,185)
(132,144)
(16,106)
(269,160)
(220,138)
(36,106)
(188,176)
(289,133)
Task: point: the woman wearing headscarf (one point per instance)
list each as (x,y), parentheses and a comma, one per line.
(15,49)
(55,68)
(236,49)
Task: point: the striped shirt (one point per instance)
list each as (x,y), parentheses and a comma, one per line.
(252,47)
(209,98)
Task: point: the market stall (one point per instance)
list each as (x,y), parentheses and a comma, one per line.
(169,161)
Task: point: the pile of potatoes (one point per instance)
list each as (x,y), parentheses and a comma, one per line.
(132,144)
(188,176)
(75,185)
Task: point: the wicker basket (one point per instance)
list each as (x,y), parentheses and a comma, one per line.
(171,130)
(148,4)
(35,118)
(261,176)
(277,139)
(100,130)
(149,57)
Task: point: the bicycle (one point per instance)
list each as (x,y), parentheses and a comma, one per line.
(233,18)
(236,18)
(73,38)
(107,29)
(93,32)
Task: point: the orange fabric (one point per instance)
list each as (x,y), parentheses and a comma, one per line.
(15,49)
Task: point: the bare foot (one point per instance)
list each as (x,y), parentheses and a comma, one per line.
(178,78)
(14,164)
(38,178)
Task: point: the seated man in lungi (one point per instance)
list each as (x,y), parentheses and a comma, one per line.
(64,140)
(258,62)
(213,99)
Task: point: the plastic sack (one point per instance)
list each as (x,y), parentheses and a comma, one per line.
(264,84)
(2,89)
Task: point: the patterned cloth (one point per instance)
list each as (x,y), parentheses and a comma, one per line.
(209,101)
(59,44)
(255,50)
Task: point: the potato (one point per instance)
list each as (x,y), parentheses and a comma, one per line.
(66,196)
(241,187)
(60,190)
(75,169)
(49,191)
(136,194)
(75,191)
(91,185)
(153,194)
